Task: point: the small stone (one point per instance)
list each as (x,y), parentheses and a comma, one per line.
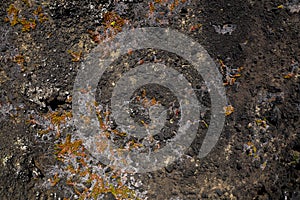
(273,88)
(204,195)
(263,140)
(219,192)
(238,127)
(45,137)
(238,166)
(109,196)
(238,147)
(169,168)
(256,164)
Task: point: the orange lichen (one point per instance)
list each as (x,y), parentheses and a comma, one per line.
(77,167)
(170,4)
(228,110)
(76,56)
(75,149)
(113,20)
(68,147)
(173,5)
(153,101)
(112,24)
(57,119)
(261,122)
(289,75)
(14,16)
(151,7)
(195,27)
(251,149)
(230,75)
(27,24)
(130,51)
(76,163)
(133,145)
(20,60)
(53,181)
(27,2)
(42,17)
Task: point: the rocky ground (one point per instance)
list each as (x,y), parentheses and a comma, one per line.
(255,45)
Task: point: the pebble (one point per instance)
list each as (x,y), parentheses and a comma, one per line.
(169,168)
(219,192)
(204,195)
